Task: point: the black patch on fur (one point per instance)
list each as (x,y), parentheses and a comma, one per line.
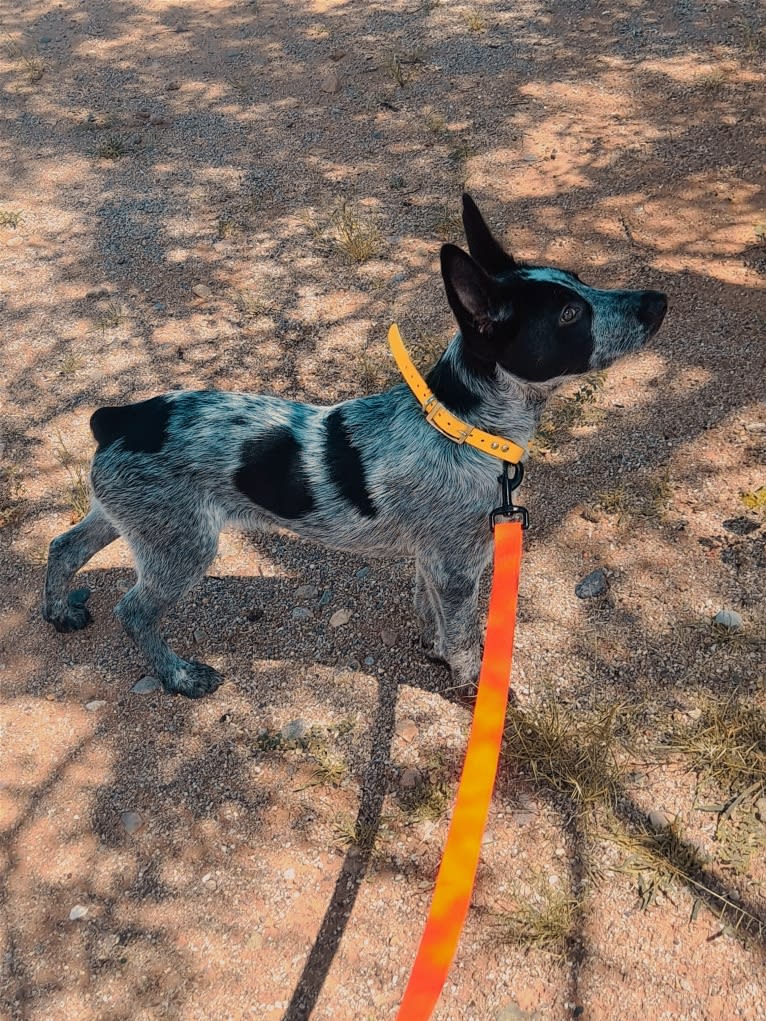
(345,465)
(450,390)
(142,427)
(272,476)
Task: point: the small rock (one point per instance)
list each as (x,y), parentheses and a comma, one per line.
(592,513)
(593,584)
(158,120)
(294,730)
(658,820)
(728,619)
(146,684)
(369,661)
(331,83)
(760,809)
(78,911)
(131,821)
(97,292)
(513,1012)
(741,526)
(201,290)
(307,592)
(326,598)
(173,86)
(340,617)
(301,613)
(409,778)
(407,730)
(95,705)
(362,572)
(755,427)
(142,115)
(388,638)
(289,875)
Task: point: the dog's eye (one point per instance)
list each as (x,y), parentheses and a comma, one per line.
(569,314)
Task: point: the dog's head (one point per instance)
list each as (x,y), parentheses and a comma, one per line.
(535,322)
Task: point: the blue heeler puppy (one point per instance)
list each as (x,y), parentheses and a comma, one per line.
(369,475)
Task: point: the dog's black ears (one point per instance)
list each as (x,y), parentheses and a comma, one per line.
(472,296)
(482,245)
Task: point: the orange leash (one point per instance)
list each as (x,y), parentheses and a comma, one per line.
(454,883)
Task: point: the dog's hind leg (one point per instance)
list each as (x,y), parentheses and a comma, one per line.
(66,555)
(168,563)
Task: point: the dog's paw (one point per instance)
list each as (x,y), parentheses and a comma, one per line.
(194,680)
(74,616)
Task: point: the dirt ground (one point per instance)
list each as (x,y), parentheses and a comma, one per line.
(244,195)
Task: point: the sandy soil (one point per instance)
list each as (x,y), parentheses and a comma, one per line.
(163,859)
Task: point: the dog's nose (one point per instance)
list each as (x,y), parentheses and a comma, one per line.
(651,312)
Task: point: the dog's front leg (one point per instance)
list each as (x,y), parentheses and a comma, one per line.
(454,593)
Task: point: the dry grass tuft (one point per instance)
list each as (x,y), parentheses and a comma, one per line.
(79,491)
(727,744)
(9,218)
(356,234)
(549,927)
(576,758)
(475,20)
(11,495)
(111,148)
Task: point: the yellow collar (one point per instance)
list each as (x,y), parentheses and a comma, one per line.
(441,419)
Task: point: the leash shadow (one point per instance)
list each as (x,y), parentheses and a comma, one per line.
(356,862)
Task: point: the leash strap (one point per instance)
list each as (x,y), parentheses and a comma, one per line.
(454,882)
(441,419)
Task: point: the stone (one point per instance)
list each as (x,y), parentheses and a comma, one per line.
(131,822)
(741,526)
(307,592)
(146,684)
(409,778)
(362,572)
(407,730)
(97,292)
(760,810)
(95,705)
(326,598)
(388,638)
(78,911)
(331,83)
(201,290)
(173,86)
(158,120)
(294,730)
(658,820)
(340,617)
(728,619)
(369,661)
(593,584)
(301,613)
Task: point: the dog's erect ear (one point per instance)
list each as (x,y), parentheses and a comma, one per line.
(482,245)
(470,294)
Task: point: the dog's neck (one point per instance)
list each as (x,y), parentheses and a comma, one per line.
(493,400)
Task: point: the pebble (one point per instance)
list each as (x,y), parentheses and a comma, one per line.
(294,730)
(201,290)
(97,292)
(658,820)
(326,598)
(409,778)
(95,705)
(728,619)
(388,638)
(301,613)
(369,661)
(593,584)
(173,86)
(78,911)
(760,809)
(145,685)
(307,592)
(131,821)
(340,617)
(331,83)
(407,730)
(513,1012)
(362,572)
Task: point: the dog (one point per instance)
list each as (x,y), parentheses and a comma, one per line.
(369,475)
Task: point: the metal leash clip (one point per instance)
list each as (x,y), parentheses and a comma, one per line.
(508,509)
